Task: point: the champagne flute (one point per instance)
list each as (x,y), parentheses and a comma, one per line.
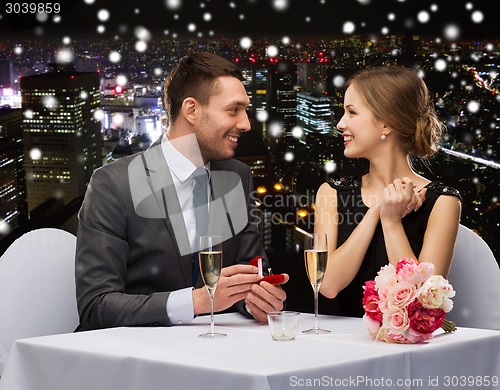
(210,257)
(315,257)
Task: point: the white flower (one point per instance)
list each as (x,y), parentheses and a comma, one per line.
(436,292)
(387,274)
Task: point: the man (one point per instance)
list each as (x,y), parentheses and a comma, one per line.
(136,261)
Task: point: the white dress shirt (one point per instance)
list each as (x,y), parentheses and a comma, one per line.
(180,302)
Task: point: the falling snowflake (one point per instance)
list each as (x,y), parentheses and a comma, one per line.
(141,46)
(348,28)
(64,56)
(280,5)
(121,80)
(101,29)
(473,106)
(272,51)
(35,154)
(99,115)
(289,156)
(297,132)
(42,17)
(84,95)
(28,114)
(245,43)
(173,4)
(207,17)
(5,228)
(103,15)
(434,7)
(89,1)
(191,27)
(118,120)
(115,57)
(285,40)
(440,65)
(275,129)
(423,17)
(262,116)
(142,33)
(338,81)
(477,16)
(18,50)
(469,6)
(391,17)
(50,102)
(66,40)
(330,166)
(451,32)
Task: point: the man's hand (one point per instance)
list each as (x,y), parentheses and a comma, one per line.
(265,298)
(235,282)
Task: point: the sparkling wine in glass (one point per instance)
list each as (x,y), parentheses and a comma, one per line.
(210,257)
(315,257)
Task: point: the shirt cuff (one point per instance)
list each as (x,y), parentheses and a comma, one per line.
(179,306)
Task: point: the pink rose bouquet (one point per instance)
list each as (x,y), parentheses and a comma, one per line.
(407,303)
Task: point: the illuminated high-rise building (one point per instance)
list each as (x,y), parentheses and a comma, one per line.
(6,74)
(283,91)
(62,137)
(256,82)
(314,113)
(13,204)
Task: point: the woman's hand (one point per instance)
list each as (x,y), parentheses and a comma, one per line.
(400,199)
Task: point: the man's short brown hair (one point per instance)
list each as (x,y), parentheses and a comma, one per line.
(195,76)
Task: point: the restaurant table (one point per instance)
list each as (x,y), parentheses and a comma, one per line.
(176,358)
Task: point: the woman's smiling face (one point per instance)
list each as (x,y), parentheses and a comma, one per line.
(360,129)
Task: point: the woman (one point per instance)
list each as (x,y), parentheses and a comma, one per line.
(391,212)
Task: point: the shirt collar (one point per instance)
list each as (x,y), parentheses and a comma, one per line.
(178,164)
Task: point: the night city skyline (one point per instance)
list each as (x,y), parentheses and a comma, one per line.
(217,18)
(291,57)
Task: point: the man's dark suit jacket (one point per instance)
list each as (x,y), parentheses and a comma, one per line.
(131,242)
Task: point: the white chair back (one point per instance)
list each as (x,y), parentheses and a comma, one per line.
(475,276)
(37,287)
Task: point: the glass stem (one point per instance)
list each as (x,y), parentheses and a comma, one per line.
(212,328)
(316,289)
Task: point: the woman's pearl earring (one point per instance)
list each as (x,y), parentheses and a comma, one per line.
(383,137)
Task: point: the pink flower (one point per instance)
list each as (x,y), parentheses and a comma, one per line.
(401,295)
(416,337)
(385,277)
(405,263)
(393,337)
(413,272)
(424,320)
(370,302)
(372,325)
(396,319)
(424,271)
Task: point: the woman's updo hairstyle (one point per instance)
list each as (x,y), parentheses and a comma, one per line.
(399,98)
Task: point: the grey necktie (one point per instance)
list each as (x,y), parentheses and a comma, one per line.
(200,205)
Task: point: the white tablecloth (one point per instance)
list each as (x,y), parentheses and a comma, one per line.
(176,358)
